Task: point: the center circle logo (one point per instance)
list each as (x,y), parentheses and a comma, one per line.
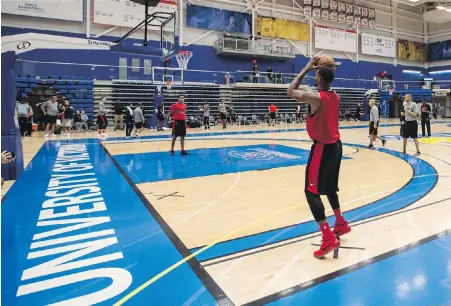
(23,45)
(251,155)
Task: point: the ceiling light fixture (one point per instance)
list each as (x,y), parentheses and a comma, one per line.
(440,7)
(448,9)
(414,0)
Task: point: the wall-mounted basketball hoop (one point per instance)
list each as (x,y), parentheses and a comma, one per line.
(183,58)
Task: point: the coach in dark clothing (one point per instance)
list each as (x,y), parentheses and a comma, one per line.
(128,120)
(425,120)
(118,116)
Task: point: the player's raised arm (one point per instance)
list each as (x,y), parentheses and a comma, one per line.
(300,95)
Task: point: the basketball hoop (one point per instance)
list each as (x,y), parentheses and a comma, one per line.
(169,84)
(183,58)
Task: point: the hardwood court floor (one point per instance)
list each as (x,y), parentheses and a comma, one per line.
(229,224)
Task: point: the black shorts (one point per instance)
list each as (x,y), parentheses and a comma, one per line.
(179,128)
(272,115)
(323,168)
(410,129)
(51,119)
(139,125)
(102,122)
(222,116)
(373,129)
(206,120)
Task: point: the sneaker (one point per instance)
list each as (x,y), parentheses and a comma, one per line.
(46,135)
(417,154)
(403,153)
(53,135)
(370,146)
(341,229)
(326,247)
(384,142)
(105,135)
(172,153)
(184,153)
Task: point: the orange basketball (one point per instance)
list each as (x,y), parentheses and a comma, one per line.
(326,61)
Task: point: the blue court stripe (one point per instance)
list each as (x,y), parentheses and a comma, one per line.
(423,180)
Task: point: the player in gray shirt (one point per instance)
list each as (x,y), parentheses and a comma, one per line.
(374,123)
(206,110)
(50,109)
(410,129)
(139,119)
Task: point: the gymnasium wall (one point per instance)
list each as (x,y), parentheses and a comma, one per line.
(407,20)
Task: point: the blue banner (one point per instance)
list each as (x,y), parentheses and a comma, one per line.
(439,51)
(218,19)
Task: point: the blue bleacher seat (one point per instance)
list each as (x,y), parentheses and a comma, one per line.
(24,95)
(22,85)
(28,90)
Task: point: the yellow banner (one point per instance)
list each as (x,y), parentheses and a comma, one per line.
(281,28)
(412,51)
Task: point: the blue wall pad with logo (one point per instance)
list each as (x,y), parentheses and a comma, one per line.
(160,166)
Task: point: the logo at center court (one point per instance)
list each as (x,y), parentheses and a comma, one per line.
(251,155)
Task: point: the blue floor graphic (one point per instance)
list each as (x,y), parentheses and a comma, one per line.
(160,166)
(62,241)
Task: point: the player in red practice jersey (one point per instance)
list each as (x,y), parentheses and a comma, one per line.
(178,113)
(321,176)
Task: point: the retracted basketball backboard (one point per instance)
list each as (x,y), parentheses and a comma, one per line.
(158,24)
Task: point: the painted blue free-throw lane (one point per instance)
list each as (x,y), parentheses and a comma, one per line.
(419,276)
(423,180)
(146,249)
(160,166)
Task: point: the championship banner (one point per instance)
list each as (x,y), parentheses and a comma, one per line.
(378,45)
(439,51)
(71,10)
(412,50)
(281,28)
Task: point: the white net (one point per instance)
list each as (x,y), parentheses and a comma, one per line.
(183,58)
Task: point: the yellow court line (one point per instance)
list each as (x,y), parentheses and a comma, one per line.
(163,273)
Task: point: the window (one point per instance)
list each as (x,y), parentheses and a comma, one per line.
(147,67)
(122,68)
(135,64)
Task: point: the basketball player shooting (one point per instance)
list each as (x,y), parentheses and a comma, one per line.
(323,167)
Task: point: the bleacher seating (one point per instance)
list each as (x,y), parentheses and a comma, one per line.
(125,92)
(77,90)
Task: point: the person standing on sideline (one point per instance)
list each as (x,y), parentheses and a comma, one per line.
(50,109)
(434,111)
(118,116)
(206,110)
(129,120)
(358,110)
(161,117)
(223,114)
(425,119)
(29,123)
(374,123)
(138,116)
(102,122)
(410,129)
(298,113)
(67,118)
(23,111)
(272,114)
(178,113)
(323,168)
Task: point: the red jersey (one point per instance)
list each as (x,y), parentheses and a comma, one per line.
(322,126)
(272,108)
(178,111)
